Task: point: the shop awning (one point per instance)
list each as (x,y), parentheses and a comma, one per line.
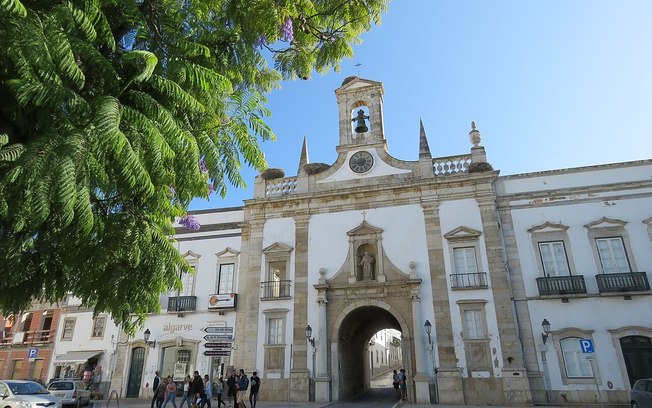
(77,356)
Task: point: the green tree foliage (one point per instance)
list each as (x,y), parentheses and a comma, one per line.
(115,114)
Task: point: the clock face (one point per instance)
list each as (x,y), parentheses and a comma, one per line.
(361,161)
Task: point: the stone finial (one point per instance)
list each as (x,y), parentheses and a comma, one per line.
(424,149)
(474,135)
(303,160)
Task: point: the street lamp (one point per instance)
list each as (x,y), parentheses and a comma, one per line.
(545,324)
(428,328)
(311,339)
(146,335)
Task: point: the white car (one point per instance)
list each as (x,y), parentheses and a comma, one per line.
(26,394)
(71,392)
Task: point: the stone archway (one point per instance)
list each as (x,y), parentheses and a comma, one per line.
(352,329)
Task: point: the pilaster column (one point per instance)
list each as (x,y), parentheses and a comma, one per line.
(421,389)
(322,379)
(299,374)
(246,347)
(515,381)
(449,380)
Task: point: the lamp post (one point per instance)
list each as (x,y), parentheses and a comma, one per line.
(146,335)
(428,328)
(311,340)
(545,324)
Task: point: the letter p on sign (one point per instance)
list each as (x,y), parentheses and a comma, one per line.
(587,346)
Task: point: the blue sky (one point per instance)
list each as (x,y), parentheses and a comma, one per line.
(551,84)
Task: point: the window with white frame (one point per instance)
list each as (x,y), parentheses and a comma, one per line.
(553,258)
(612,255)
(98,327)
(275,330)
(474,324)
(187,281)
(465,260)
(225,280)
(575,364)
(68,328)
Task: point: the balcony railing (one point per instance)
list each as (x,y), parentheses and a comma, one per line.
(27,338)
(275,289)
(622,282)
(561,285)
(182,304)
(469,280)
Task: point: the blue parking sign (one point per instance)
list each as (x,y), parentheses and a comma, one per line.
(587,346)
(32,353)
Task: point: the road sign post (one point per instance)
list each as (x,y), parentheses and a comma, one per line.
(589,355)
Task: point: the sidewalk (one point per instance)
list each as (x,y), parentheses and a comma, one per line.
(146,403)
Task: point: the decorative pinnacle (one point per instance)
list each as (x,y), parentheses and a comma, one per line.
(474,135)
(424,149)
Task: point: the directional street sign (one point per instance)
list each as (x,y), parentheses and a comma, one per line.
(223,353)
(218,337)
(218,345)
(218,329)
(587,346)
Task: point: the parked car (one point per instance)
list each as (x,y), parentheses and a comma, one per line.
(71,392)
(641,394)
(26,394)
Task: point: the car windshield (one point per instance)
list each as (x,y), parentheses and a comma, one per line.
(64,385)
(26,388)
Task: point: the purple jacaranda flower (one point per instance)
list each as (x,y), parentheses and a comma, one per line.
(287,30)
(202,166)
(172,190)
(260,41)
(190,222)
(211,188)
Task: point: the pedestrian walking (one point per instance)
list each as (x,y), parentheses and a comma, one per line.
(395,383)
(186,393)
(196,389)
(402,383)
(253,389)
(219,389)
(160,393)
(155,383)
(208,392)
(243,385)
(170,393)
(231,388)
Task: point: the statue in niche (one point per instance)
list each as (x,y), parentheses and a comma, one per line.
(367,263)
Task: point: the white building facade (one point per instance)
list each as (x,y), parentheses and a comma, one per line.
(372,242)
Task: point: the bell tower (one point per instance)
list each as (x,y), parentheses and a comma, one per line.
(360,106)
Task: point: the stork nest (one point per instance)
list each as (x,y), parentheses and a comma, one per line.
(479,167)
(315,168)
(272,173)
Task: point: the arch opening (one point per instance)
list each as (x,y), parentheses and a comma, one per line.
(370,347)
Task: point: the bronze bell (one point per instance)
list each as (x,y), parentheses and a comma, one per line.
(361,126)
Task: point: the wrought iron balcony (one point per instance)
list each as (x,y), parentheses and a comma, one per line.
(182,304)
(561,285)
(622,282)
(275,289)
(469,280)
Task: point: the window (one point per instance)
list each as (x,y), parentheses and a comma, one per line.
(188,281)
(612,255)
(276,275)
(225,281)
(575,364)
(68,328)
(16,369)
(465,260)
(474,326)
(27,322)
(98,327)
(553,258)
(275,331)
